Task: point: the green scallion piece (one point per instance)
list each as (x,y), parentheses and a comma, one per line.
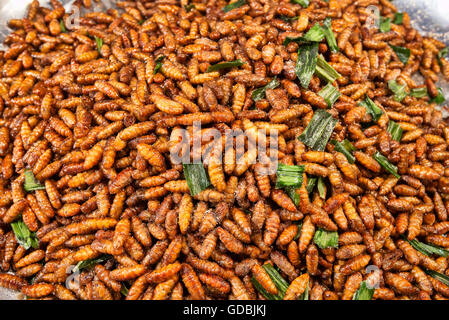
(372,108)
(387,165)
(330,36)
(259,93)
(330,94)
(318,131)
(419,92)
(288,19)
(325,71)
(24,236)
(304,3)
(124,290)
(443,52)
(428,249)
(158,65)
(89,263)
(278,281)
(398,18)
(305,295)
(306,63)
(225,65)
(395,130)
(234,5)
(398,90)
(289,176)
(439,99)
(346,148)
(326,239)
(402,53)
(196,176)
(315,34)
(364,292)
(31,183)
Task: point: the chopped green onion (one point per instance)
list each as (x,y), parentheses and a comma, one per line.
(124,290)
(428,249)
(318,131)
(31,183)
(289,176)
(325,71)
(330,36)
(89,263)
(304,3)
(326,239)
(395,130)
(311,183)
(24,236)
(306,63)
(291,192)
(402,53)
(234,5)
(383,161)
(158,62)
(321,188)
(439,276)
(259,93)
(225,65)
(196,177)
(372,108)
(63,28)
(364,292)
(346,148)
(398,18)
(419,92)
(439,99)
(330,94)
(99,42)
(385,24)
(398,90)
(189,7)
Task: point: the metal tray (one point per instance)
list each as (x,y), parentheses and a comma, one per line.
(429,17)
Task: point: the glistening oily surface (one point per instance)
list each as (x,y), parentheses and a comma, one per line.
(101,209)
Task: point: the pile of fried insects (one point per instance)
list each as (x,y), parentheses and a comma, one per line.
(356,207)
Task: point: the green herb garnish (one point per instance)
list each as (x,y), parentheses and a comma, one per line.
(419,92)
(428,249)
(372,108)
(330,36)
(31,183)
(259,93)
(398,90)
(225,65)
(291,192)
(234,5)
(387,165)
(364,292)
(189,7)
(158,65)
(89,263)
(304,3)
(196,177)
(99,42)
(311,183)
(318,131)
(439,276)
(395,130)
(330,94)
(385,24)
(321,188)
(63,28)
(346,148)
(402,53)
(326,239)
(325,71)
(289,176)
(24,236)
(439,99)
(398,18)
(306,63)
(280,283)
